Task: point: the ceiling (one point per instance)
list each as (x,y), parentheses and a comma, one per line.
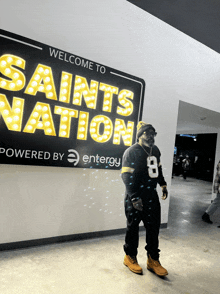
(199,19)
(193,119)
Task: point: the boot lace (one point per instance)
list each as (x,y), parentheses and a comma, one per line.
(156,263)
(133,259)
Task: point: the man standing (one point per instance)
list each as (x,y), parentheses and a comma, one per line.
(185,166)
(141,171)
(216,202)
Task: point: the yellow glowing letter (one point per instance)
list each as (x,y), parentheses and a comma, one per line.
(17,81)
(65,87)
(121,130)
(82,88)
(12,116)
(109,91)
(42,81)
(95,126)
(65,120)
(83,125)
(127,104)
(41,111)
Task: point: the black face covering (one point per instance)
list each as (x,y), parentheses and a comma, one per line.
(148,138)
(150,142)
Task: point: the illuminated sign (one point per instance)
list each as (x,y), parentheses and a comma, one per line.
(59,109)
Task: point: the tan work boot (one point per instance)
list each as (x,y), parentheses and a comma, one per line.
(155,266)
(132,264)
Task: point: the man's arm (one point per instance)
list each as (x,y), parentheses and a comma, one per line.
(129,164)
(161,179)
(162,182)
(130,180)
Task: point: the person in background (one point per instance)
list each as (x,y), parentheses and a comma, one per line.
(174,166)
(141,172)
(186,166)
(216,202)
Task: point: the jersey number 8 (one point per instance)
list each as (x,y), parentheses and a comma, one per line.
(152,167)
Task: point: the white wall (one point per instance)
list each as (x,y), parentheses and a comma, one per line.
(39,202)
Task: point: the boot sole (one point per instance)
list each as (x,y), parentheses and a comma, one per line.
(151,270)
(136,272)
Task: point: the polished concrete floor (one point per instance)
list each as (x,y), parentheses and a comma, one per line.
(190,250)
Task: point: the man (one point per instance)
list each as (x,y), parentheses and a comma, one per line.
(185,166)
(216,202)
(141,171)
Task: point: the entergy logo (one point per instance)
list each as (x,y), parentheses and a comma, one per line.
(73,156)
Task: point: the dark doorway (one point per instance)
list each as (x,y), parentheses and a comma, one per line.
(200,149)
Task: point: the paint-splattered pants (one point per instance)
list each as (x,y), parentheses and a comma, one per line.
(215,204)
(151,219)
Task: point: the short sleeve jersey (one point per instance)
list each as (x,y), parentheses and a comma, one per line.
(143,165)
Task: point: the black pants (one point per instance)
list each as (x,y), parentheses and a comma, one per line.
(184,174)
(151,219)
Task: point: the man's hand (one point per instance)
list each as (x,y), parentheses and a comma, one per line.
(137,203)
(165,193)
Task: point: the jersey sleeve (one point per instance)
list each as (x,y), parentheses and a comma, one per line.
(161,180)
(128,175)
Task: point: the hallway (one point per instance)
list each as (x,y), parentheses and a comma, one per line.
(189,250)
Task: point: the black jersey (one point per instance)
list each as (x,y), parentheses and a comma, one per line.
(141,169)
